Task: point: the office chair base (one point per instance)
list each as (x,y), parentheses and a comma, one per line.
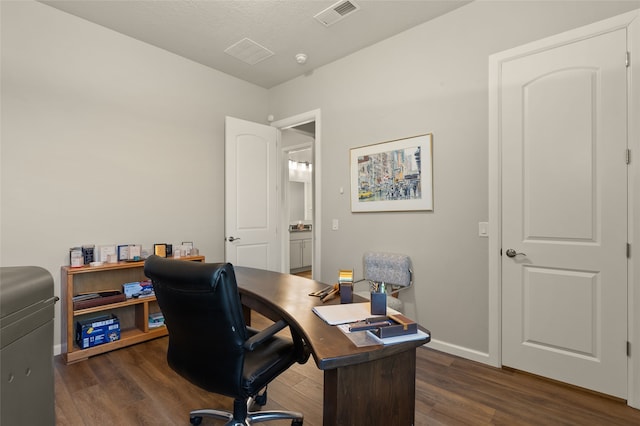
(252,416)
(255,417)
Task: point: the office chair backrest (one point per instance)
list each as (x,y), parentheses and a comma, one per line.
(203,315)
(389,268)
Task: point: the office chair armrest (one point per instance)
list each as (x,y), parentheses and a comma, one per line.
(264,335)
(361,280)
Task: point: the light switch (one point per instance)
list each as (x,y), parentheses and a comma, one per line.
(335,225)
(483,229)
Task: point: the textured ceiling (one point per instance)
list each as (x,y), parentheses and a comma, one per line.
(202,30)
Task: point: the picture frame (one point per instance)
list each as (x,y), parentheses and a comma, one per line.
(160,250)
(395,175)
(123,252)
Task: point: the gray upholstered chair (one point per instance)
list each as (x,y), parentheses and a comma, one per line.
(392,269)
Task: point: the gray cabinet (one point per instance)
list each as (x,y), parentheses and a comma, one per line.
(306,253)
(26,350)
(300,251)
(295,254)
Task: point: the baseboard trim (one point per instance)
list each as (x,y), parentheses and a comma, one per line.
(460,351)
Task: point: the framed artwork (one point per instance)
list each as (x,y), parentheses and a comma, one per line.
(393,176)
(160,250)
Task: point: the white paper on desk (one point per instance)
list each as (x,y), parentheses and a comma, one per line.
(347,312)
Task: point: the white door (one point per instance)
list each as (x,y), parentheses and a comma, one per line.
(564,213)
(251,200)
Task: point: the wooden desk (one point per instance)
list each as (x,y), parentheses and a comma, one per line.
(373,385)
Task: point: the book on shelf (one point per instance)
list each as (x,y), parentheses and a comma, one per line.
(156,319)
(90,300)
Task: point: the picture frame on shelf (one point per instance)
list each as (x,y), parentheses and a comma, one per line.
(160,250)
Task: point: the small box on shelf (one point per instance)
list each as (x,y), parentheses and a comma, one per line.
(98,330)
(137,289)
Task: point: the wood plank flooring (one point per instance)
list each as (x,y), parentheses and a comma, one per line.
(305,274)
(134,386)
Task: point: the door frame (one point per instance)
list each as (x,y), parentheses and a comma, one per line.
(296,120)
(284,201)
(630,21)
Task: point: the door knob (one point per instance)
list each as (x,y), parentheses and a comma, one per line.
(513,253)
(232,239)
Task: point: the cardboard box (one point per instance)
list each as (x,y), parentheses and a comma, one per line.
(129,289)
(98,330)
(134,289)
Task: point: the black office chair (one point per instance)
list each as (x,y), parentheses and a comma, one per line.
(209,343)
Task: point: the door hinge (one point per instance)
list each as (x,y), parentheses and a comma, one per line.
(628,251)
(628,157)
(628,60)
(628,348)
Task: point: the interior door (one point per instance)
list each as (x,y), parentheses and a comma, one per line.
(564,213)
(251,200)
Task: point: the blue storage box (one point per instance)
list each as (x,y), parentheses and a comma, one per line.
(98,330)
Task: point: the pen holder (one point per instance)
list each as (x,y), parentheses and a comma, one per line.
(378,303)
(346,292)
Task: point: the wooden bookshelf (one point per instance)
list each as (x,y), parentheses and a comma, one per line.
(133,314)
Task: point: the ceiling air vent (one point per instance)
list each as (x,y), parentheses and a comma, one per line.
(335,13)
(248,51)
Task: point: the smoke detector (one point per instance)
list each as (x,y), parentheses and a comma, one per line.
(336,12)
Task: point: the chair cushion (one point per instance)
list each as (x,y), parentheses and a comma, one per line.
(266,362)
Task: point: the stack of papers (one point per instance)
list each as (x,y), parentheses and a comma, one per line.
(346,313)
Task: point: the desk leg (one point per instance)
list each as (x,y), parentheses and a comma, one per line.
(380,392)
(246,313)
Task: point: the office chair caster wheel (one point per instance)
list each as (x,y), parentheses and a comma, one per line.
(296,422)
(261,400)
(195,421)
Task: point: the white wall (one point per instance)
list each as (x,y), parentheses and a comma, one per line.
(108,140)
(430,79)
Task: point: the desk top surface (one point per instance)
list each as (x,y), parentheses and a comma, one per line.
(278,295)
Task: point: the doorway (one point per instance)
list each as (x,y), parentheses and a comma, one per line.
(297,149)
(300,198)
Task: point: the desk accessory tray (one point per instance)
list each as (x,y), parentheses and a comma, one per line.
(400,326)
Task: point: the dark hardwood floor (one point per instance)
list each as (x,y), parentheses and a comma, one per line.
(134,386)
